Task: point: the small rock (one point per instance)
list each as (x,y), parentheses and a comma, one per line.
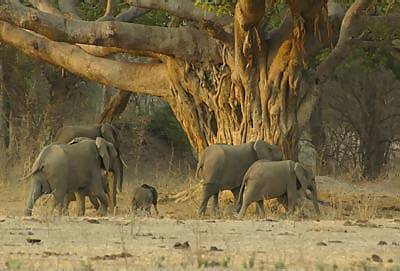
(321,244)
(348,223)
(376,258)
(382,243)
(92,220)
(395,244)
(390,260)
(184,245)
(2,220)
(30,233)
(33,241)
(214,248)
(335,241)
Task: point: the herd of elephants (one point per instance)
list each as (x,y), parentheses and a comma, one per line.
(86,161)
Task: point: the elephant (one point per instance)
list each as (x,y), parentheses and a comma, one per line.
(93,199)
(115,164)
(67,133)
(283,180)
(143,197)
(223,166)
(61,169)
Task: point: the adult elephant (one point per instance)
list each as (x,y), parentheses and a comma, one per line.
(67,133)
(223,166)
(276,179)
(62,169)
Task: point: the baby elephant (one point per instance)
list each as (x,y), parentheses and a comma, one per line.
(269,180)
(143,197)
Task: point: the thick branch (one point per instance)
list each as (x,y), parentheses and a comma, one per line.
(142,78)
(183,42)
(182,8)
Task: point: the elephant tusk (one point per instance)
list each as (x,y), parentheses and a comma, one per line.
(123,162)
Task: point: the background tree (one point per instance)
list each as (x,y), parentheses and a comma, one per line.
(227,78)
(359,113)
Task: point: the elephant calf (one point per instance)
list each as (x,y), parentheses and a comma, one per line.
(143,197)
(269,179)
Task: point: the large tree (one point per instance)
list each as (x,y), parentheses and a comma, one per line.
(226,78)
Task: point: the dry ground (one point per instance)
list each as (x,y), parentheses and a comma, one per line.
(359,230)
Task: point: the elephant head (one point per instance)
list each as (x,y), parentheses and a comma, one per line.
(110,158)
(267,151)
(109,133)
(307,181)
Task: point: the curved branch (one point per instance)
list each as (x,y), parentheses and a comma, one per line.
(184,42)
(142,78)
(182,8)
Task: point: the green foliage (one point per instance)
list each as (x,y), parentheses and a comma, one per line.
(154,17)
(220,7)
(165,125)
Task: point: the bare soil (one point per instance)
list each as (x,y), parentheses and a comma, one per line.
(359,230)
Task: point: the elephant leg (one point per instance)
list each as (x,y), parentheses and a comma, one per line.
(208,191)
(81,203)
(93,200)
(67,199)
(148,211)
(36,192)
(235,193)
(59,197)
(215,204)
(102,196)
(155,208)
(283,200)
(245,205)
(260,208)
(291,196)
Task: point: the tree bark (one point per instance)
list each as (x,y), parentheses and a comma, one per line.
(115,106)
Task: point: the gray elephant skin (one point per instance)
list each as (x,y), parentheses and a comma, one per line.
(62,169)
(143,197)
(223,166)
(107,131)
(271,179)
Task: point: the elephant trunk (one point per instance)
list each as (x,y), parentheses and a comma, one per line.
(36,192)
(120,175)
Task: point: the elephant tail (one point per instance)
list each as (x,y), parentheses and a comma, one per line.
(240,198)
(200,165)
(30,174)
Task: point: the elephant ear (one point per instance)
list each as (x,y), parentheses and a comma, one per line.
(108,133)
(267,151)
(102,148)
(303,176)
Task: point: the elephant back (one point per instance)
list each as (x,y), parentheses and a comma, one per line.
(225,165)
(67,133)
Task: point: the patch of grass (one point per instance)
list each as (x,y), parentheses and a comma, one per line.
(280,265)
(209,263)
(250,262)
(13,265)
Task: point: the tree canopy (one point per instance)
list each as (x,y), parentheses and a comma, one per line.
(232,71)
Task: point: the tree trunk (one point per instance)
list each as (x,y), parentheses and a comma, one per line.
(318,137)
(4,122)
(114,107)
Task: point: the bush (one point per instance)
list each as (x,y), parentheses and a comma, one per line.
(164,125)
